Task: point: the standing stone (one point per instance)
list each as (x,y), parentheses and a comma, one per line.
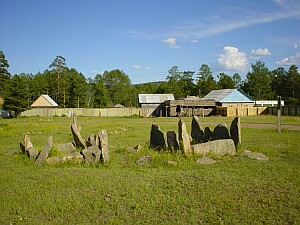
(220,132)
(217,147)
(207,134)
(44,152)
(92,154)
(77,136)
(103,145)
(235,131)
(157,138)
(32,153)
(90,140)
(27,143)
(66,147)
(197,132)
(184,139)
(173,145)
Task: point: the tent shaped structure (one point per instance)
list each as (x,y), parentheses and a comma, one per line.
(44,101)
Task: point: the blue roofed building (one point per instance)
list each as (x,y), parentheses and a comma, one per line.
(230,98)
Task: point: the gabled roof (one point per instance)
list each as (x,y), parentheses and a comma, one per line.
(155,98)
(44,101)
(228,95)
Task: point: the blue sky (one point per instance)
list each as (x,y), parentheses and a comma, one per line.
(145,38)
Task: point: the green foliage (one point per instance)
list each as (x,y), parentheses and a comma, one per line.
(225,81)
(206,81)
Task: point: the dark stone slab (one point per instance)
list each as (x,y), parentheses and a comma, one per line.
(220,132)
(173,145)
(158,138)
(235,131)
(197,132)
(207,134)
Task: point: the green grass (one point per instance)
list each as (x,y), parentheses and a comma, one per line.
(236,190)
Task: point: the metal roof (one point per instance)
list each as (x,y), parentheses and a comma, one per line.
(228,95)
(155,98)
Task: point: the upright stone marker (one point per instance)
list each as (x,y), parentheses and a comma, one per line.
(77,136)
(173,145)
(157,138)
(44,152)
(207,134)
(103,145)
(184,139)
(220,132)
(235,131)
(197,132)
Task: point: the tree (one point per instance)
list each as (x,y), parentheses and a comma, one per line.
(174,74)
(119,87)
(186,84)
(206,81)
(100,93)
(17,99)
(58,66)
(279,83)
(259,82)
(4,75)
(236,79)
(225,81)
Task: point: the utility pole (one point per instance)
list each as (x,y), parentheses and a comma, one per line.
(278,114)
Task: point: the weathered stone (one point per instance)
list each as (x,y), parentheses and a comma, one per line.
(217,147)
(206,161)
(22,147)
(75,157)
(77,136)
(235,131)
(220,132)
(44,152)
(254,155)
(171,163)
(90,140)
(32,153)
(144,160)
(172,141)
(184,139)
(103,145)
(91,154)
(197,132)
(207,134)
(66,147)
(27,143)
(157,138)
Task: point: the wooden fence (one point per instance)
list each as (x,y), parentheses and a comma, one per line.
(285,110)
(240,111)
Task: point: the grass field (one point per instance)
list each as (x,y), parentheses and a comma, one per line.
(236,190)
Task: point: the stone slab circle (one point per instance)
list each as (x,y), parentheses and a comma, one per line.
(44,152)
(220,132)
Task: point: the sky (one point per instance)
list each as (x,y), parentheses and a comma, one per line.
(145,38)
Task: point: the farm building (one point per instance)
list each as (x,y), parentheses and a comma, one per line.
(154,103)
(44,101)
(230,98)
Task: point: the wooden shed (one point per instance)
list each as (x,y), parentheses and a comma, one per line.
(44,101)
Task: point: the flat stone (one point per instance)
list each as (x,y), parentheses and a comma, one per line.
(197,132)
(171,163)
(103,145)
(75,157)
(184,139)
(80,143)
(217,147)
(144,160)
(254,155)
(158,139)
(172,142)
(207,134)
(220,132)
(235,131)
(206,161)
(66,147)
(44,152)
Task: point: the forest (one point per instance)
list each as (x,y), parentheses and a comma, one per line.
(70,89)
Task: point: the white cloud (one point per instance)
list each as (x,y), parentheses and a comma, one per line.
(294,59)
(137,67)
(194,41)
(279,2)
(171,42)
(260,52)
(95,72)
(295,46)
(232,59)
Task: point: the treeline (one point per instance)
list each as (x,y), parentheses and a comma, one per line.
(70,89)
